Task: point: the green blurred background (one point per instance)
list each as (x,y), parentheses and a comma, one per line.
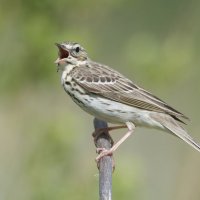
(46,148)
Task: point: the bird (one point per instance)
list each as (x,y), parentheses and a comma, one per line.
(108,95)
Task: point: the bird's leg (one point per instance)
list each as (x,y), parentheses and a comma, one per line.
(99,131)
(105,152)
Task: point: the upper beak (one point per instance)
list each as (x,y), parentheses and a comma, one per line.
(58,45)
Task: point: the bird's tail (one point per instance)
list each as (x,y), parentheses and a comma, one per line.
(174,127)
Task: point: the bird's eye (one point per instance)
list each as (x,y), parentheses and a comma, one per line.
(77,49)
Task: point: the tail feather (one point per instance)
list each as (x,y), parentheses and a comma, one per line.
(181,133)
(174,127)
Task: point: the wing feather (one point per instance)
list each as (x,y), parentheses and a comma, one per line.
(104,81)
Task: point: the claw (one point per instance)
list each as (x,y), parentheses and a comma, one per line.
(103,152)
(99,150)
(100,131)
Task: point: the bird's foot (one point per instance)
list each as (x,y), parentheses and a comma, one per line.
(96,134)
(102,153)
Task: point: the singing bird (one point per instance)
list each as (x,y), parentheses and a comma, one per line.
(108,95)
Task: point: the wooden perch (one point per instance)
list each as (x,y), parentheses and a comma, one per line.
(105,164)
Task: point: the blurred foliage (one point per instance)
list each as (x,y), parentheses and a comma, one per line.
(46,148)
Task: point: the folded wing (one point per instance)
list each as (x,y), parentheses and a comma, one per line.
(100,79)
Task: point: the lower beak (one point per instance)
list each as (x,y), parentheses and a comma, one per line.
(60,61)
(57,61)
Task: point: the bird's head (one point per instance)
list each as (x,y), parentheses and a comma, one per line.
(70,53)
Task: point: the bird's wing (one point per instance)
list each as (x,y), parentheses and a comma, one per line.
(104,81)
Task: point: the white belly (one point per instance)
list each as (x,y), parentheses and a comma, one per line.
(115,112)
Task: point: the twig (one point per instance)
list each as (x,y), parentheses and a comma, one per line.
(105,164)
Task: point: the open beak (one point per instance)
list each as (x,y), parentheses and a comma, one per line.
(62,54)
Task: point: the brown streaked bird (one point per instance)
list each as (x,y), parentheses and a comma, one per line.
(108,95)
